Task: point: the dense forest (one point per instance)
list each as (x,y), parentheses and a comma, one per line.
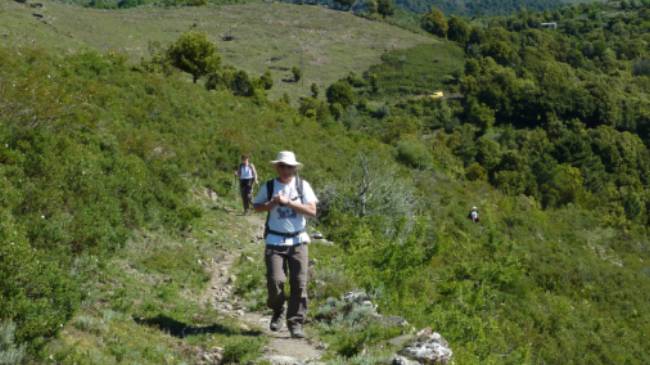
(490,7)
(557,114)
(458,7)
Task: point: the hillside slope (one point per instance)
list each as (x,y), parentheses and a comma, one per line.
(104,165)
(327,44)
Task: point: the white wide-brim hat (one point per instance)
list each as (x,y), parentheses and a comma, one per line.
(287,158)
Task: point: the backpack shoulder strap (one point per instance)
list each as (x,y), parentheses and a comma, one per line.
(299,187)
(269,194)
(269,189)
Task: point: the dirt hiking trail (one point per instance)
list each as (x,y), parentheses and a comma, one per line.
(281,349)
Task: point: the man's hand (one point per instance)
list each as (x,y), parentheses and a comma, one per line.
(308,209)
(282,199)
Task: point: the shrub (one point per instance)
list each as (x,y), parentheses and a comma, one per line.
(340,93)
(241,84)
(641,68)
(314,90)
(385,7)
(296,73)
(435,23)
(458,30)
(314,108)
(413,153)
(475,172)
(10,353)
(195,54)
(266,80)
(240,350)
(36,294)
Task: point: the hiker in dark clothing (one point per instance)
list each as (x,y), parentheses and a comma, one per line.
(288,200)
(247,177)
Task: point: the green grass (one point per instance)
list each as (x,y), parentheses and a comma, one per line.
(143,296)
(328,44)
(417,70)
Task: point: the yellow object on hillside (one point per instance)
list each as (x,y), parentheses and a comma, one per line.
(437,95)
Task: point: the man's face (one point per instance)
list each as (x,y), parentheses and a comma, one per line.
(244,161)
(285,171)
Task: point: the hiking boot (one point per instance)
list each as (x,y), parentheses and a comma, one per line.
(276,322)
(297,331)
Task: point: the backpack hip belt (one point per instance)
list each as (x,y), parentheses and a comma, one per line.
(285,234)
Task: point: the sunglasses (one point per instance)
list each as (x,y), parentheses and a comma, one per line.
(283,166)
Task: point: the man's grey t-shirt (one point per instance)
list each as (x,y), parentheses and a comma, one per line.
(285,219)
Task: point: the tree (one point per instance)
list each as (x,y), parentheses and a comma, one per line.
(458,30)
(314,90)
(314,108)
(341,93)
(435,23)
(241,84)
(374,85)
(345,4)
(370,6)
(641,68)
(266,80)
(479,114)
(564,187)
(296,73)
(385,7)
(194,53)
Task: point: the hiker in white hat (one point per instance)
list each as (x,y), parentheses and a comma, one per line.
(473,215)
(288,199)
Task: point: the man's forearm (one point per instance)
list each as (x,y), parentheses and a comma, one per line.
(264,207)
(304,209)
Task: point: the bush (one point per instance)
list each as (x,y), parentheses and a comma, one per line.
(435,23)
(314,108)
(195,54)
(385,7)
(266,81)
(296,73)
(641,68)
(10,353)
(241,85)
(314,90)
(340,93)
(36,294)
(475,172)
(413,153)
(240,350)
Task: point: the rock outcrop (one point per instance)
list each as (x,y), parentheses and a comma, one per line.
(428,347)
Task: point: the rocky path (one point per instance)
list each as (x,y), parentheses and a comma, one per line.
(281,348)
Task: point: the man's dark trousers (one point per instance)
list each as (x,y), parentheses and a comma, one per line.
(279,260)
(246,190)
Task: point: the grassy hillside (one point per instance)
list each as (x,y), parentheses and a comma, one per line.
(104,161)
(327,44)
(82,167)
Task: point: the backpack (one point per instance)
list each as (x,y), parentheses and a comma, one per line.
(270,185)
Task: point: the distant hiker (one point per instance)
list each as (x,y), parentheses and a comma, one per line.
(288,199)
(473,215)
(247,177)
